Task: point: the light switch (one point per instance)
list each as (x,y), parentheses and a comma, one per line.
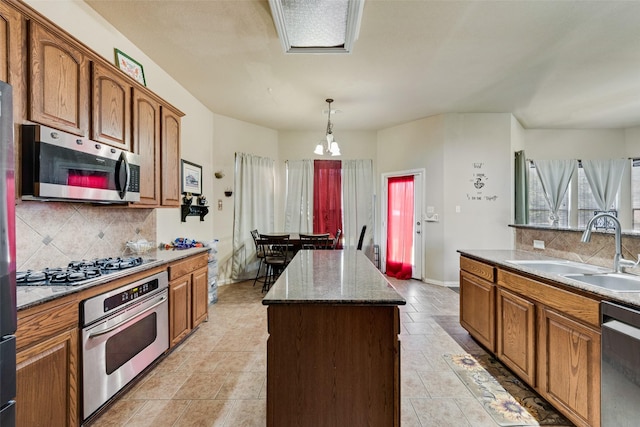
(219,204)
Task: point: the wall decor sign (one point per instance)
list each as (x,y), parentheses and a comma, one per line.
(191,178)
(130,66)
(479,180)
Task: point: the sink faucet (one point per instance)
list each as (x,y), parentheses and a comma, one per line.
(618,261)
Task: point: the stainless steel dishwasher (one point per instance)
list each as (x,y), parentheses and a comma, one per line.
(620,397)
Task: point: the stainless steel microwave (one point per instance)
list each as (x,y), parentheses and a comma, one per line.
(60,166)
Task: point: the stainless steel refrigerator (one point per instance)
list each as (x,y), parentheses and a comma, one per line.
(8,320)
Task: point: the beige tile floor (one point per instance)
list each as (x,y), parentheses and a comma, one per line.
(218,376)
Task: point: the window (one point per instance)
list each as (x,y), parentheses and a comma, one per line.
(539,208)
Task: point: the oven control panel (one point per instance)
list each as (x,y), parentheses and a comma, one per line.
(129,295)
(111,302)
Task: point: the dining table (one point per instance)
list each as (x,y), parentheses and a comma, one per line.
(295,241)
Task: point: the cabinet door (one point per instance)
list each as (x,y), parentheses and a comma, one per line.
(111,107)
(569,363)
(170,188)
(200,296)
(59,82)
(179,309)
(146,143)
(477,308)
(47,382)
(516,335)
(12,65)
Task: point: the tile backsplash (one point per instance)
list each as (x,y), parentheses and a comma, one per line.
(566,244)
(51,234)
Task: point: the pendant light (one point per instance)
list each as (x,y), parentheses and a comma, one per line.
(332,145)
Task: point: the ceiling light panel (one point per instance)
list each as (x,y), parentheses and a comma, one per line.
(317,26)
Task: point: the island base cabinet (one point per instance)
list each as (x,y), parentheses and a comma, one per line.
(333,365)
(570,367)
(46,382)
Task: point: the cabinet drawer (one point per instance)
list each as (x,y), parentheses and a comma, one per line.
(187,265)
(478,268)
(43,324)
(577,306)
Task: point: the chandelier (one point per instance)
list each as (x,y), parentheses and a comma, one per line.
(332,145)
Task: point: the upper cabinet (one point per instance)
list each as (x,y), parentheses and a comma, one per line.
(110,107)
(12,31)
(170,148)
(146,143)
(59,82)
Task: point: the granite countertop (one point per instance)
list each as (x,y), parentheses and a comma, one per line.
(332,277)
(28,296)
(500,257)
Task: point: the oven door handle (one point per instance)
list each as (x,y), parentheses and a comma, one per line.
(116,326)
(122,175)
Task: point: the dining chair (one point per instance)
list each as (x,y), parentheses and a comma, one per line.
(336,239)
(260,254)
(361,240)
(315,241)
(276,249)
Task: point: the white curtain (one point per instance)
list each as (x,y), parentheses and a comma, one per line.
(298,211)
(253,209)
(357,201)
(604,177)
(555,176)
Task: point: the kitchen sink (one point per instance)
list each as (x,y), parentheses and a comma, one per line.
(559,266)
(616,282)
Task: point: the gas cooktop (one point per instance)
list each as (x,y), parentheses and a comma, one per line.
(76,273)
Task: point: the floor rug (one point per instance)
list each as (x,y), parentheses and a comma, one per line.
(508,400)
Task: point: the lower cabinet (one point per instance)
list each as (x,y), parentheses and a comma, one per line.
(516,334)
(569,360)
(47,366)
(188,296)
(548,335)
(477,308)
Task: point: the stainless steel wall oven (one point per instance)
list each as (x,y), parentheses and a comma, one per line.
(123,332)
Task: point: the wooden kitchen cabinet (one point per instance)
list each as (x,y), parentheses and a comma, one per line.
(111,107)
(477,301)
(569,361)
(179,309)
(170,158)
(47,365)
(516,334)
(59,81)
(12,60)
(566,350)
(146,143)
(188,296)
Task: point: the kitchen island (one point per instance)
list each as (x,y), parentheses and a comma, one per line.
(333,355)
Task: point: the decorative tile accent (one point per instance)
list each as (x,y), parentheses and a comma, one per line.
(51,234)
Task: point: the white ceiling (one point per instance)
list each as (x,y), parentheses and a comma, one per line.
(553,64)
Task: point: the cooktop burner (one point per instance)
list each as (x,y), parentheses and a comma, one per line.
(76,272)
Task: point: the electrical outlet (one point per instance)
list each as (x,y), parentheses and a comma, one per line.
(538,244)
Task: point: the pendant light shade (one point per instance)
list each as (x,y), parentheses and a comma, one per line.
(331,145)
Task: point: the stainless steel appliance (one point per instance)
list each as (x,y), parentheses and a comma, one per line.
(61,166)
(8,321)
(77,272)
(123,332)
(620,393)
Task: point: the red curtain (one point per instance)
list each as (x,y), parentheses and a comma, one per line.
(400,227)
(327,196)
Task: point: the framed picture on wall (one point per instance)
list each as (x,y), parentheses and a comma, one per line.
(191,178)
(130,66)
